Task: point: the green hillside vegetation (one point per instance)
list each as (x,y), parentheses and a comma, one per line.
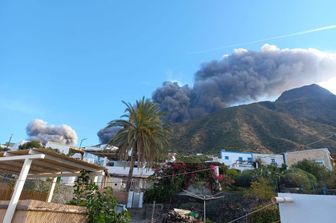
(299,117)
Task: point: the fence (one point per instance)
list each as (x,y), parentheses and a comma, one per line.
(6,194)
(119,183)
(35,189)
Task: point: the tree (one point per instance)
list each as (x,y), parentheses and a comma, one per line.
(261,189)
(30,145)
(142,134)
(3,148)
(299,178)
(321,173)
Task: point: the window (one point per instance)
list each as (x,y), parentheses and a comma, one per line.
(319,162)
(240,159)
(110,164)
(273,160)
(226,157)
(249,160)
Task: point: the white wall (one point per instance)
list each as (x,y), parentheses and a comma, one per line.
(233,157)
(61,147)
(123,171)
(91,158)
(267,159)
(116,183)
(308,208)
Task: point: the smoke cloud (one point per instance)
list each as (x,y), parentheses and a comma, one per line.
(106,134)
(244,76)
(40,130)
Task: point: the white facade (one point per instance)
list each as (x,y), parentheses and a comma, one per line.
(237,160)
(269,159)
(61,147)
(121,168)
(307,208)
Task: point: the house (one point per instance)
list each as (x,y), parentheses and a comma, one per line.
(269,159)
(118,170)
(63,148)
(237,160)
(320,156)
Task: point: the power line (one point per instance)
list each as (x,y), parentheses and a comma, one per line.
(332,135)
(178,174)
(252,212)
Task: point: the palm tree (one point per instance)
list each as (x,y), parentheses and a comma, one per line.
(142,134)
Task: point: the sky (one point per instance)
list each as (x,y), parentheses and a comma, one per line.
(73,62)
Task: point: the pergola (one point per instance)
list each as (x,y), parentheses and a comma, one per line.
(35,163)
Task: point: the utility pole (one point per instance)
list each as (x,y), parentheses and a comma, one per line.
(80,144)
(204,209)
(153,210)
(321,139)
(9,141)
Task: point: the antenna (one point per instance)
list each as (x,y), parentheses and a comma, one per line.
(9,141)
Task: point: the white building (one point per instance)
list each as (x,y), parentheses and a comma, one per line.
(269,159)
(237,160)
(118,171)
(63,148)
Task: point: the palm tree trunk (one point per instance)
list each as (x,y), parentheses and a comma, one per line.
(130,173)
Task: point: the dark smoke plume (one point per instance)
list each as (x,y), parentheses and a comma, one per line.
(106,134)
(174,100)
(40,130)
(244,76)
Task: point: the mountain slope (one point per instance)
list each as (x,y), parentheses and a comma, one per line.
(298,117)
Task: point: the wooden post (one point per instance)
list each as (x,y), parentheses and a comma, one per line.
(204,209)
(153,211)
(52,188)
(17,191)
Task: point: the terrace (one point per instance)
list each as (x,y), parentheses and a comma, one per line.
(41,163)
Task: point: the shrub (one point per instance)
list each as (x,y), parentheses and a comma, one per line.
(270,214)
(233,174)
(101,208)
(100,205)
(261,189)
(244,179)
(30,145)
(321,173)
(296,177)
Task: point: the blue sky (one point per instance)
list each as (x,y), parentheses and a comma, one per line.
(73,61)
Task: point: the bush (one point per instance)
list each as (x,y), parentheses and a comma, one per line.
(100,205)
(296,177)
(192,158)
(267,215)
(233,174)
(244,179)
(261,189)
(321,173)
(3,148)
(30,145)
(101,208)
